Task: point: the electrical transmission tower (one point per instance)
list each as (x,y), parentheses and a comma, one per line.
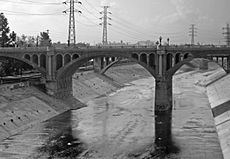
(105,24)
(192,33)
(227,34)
(72,31)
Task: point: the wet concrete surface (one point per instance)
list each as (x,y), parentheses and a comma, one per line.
(194,130)
(51,139)
(120,125)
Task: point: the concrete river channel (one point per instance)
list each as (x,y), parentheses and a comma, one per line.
(120,125)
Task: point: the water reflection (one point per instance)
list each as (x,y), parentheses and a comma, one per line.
(60,142)
(119,124)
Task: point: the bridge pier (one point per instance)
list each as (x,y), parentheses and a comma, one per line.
(163,114)
(204,64)
(60,89)
(98,64)
(163,104)
(51,87)
(107,61)
(113,59)
(228,64)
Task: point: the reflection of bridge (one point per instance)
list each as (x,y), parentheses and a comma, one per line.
(58,66)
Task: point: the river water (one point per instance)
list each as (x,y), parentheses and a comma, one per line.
(119,125)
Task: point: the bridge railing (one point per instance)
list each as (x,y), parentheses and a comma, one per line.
(11,49)
(44,49)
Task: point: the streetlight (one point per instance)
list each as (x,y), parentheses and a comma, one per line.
(160,40)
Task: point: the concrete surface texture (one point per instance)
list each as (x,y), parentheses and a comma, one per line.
(193,126)
(89,85)
(120,123)
(194,131)
(24,107)
(219,98)
(117,118)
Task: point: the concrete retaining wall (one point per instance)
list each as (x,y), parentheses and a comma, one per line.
(218,93)
(21,108)
(6,87)
(89,85)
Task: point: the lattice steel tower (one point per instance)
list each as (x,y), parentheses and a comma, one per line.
(72,31)
(192,33)
(105,24)
(227,34)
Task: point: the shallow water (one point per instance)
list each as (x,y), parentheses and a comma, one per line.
(111,126)
(120,125)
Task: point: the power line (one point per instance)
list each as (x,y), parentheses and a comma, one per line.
(138,30)
(31,2)
(91,13)
(45,3)
(125,34)
(129,26)
(91,21)
(227,34)
(26,13)
(92,6)
(192,33)
(128,32)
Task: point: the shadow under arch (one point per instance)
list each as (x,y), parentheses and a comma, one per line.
(68,70)
(109,66)
(173,70)
(35,66)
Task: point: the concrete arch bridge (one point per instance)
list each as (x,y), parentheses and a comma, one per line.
(58,66)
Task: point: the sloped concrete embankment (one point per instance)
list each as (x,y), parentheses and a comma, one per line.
(218,92)
(23,107)
(89,85)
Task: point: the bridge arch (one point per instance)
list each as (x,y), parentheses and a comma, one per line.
(152,58)
(177,57)
(169,61)
(68,70)
(67,58)
(143,57)
(190,57)
(35,59)
(110,65)
(43,61)
(27,56)
(24,60)
(135,56)
(59,61)
(75,56)
(186,55)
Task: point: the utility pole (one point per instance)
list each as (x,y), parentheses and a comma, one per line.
(105,24)
(227,34)
(71,10)
(192,33)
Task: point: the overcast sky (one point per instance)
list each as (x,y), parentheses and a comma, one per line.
(132,20)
